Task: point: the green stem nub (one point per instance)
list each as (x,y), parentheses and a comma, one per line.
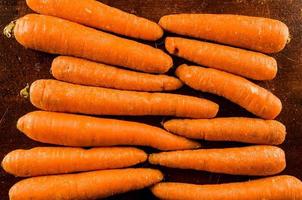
(288,39)
(8,30)
(25,92)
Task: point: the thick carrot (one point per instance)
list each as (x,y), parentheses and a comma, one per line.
(272,188)
(87,185)
(257,33)
(249,64)
(248,95)
(58,36)
(99,15)
(257,160)
(57,160)
(79,71)
(77,130)
(239,129)
(54,95)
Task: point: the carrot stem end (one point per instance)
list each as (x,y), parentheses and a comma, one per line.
(25,92)
(8,30)
(288,39)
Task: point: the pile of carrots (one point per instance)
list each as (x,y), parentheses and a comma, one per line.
(90,80)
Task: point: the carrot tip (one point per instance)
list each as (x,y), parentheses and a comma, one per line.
(25,91)
(7,31)
(197,145)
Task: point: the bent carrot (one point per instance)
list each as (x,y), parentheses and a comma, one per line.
(99,15)
(77,130)
(58,36)
(250,64)
(239,129)
(57,160)
(54,95)
(79,71)
(257,33)
(86,185)
(272,188)
(257,160)
(248,95)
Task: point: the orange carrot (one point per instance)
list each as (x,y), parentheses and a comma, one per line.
(239,129)
(57,160)
(272,188)
(79,71)
(87,185)
(257,160)
(77,130)
(54,95)
(58,36)
(257,33)
(239,90)
(99,15)
(250,64)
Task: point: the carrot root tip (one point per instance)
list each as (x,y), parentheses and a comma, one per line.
(25,92)
(8,30)
(163,121)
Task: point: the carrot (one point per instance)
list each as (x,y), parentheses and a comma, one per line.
(248,95)
(54,95)
(257,160)
(79,71)
(77,130)
(57,160)
(257,33)
(239,129)
(249,64)
(99,15)
(86,185)
(272,188)
(58,36)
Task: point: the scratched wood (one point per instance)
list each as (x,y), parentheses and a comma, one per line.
(19,66)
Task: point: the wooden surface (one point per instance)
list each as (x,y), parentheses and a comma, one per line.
(19,66)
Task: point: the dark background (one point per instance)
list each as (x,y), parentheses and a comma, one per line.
(19,66)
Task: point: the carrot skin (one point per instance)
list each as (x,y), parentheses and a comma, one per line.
(52,95)
(76,130)
(238,129)
(272,188)
(58,36)
(248,95)
(84,72)
(246,63)
(58,160)
(252,160)
(96,14)
(86,185)
(256,33)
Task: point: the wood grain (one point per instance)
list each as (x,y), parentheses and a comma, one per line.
(19,66)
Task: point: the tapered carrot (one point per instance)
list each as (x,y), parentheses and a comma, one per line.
(79,71)
(86,185)
(272,188)
(77,130)
(99,15)
(57,160)
(54,95)
(257,33)
(248,95)
(249,64)
(58,36)
(239,129)
(252,160)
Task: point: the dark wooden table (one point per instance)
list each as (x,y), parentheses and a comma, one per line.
(19,66)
